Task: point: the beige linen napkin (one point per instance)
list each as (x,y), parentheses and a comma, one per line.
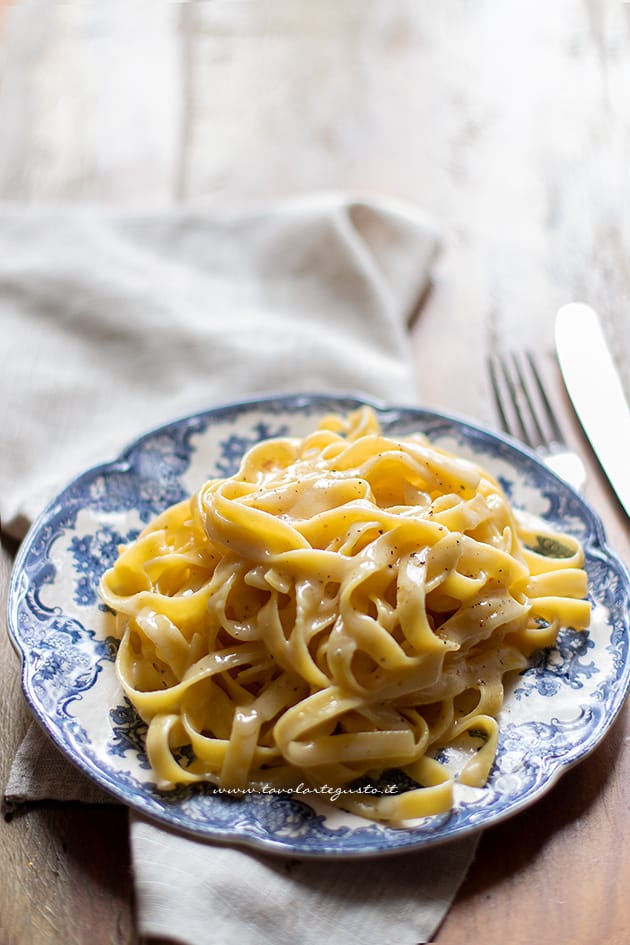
(115,323)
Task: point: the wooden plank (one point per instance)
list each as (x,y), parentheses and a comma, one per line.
(90,103)
(65,868)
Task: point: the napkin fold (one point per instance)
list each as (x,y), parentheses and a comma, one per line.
(114,323)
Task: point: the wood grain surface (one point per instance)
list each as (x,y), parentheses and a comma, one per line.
(509,123)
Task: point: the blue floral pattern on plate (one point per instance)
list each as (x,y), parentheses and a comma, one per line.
(558,711)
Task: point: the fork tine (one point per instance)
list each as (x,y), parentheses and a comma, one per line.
(496,390)
(556,432)
(526,412)
(504,381)
(527,395)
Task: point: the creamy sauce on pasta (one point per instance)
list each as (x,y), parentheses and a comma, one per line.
(346,604)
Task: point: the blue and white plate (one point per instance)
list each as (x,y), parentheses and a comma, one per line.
(557,712)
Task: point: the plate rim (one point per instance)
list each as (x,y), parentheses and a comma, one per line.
(295,402)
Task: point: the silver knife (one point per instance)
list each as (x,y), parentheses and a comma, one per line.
(595,389)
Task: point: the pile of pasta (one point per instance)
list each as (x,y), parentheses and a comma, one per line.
(347,604)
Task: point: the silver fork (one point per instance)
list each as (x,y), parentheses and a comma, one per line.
(526,413)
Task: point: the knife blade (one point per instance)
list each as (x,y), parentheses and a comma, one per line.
(595,389)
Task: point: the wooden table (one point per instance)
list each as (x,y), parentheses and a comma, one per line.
(510,123)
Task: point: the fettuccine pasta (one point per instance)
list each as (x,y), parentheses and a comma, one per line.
(347,604)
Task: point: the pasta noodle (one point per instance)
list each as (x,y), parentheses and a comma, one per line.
(345,605)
